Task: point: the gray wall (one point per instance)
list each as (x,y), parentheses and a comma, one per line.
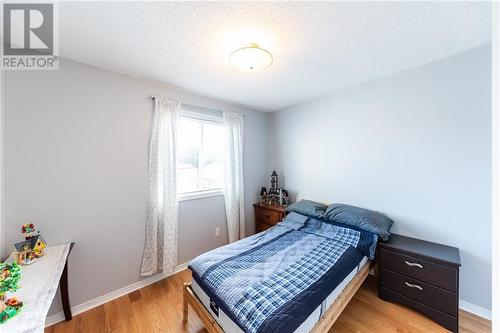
(415,145)
(76,151)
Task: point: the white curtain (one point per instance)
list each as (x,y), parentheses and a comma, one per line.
(160,250)
(233,190)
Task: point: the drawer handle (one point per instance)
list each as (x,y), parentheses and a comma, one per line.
(414,264)
(267,216)
(416,286)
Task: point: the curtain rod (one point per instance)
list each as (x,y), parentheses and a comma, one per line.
(189,105)
(201,108)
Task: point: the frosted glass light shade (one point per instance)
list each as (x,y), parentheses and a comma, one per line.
(251,58)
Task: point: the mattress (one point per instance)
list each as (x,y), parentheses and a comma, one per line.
(229,326)
(273,281)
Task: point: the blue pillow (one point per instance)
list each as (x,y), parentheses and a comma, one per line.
(361,218)
(307,207)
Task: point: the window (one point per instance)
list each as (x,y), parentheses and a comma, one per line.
(200,165)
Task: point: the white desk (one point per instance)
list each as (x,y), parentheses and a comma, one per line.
(38,286)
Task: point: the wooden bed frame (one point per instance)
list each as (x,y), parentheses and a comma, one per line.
(322,326)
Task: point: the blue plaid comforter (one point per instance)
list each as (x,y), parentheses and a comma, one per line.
(273,281)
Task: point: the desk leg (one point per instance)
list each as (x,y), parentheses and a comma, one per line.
(63,284)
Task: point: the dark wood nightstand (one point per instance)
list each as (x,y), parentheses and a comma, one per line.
(422,275)
(267,216)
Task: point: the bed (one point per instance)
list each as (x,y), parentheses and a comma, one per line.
(295,277)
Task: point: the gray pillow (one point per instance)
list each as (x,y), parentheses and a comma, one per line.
(307,207)
(361,218)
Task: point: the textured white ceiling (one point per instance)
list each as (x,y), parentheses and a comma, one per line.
(318,47)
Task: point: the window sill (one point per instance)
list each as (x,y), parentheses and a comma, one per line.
(199,195)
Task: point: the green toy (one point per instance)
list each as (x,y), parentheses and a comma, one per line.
(9,312)
(10,274)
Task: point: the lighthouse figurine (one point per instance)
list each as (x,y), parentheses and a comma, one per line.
(274,189)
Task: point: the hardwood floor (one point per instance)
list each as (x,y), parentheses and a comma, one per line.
(158,308)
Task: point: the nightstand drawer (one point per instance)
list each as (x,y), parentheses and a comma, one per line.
(268,216)
(435,297)
(422,270)
(448,321)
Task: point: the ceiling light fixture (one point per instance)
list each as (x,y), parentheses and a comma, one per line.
(251,58)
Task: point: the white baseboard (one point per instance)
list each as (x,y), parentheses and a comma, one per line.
(58,317)
(475,309)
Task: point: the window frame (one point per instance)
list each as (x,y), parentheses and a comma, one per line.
(205,115)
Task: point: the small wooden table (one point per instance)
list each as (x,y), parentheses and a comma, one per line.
(38,287)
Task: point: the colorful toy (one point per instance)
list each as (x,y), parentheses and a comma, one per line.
(31,248)
(28,229)
(14,303)
(7,314)
(10,274)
